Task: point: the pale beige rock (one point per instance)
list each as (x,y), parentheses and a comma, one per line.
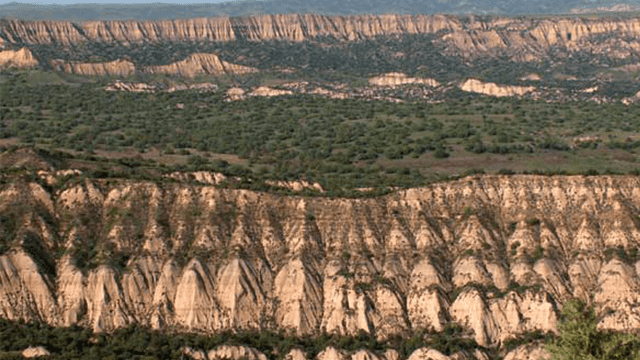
(24,291)
(499,275)
(364,355)
(528,352)
(531,77)
(71,292)
(194,303)
(35,351)
(296,354)
(426,306)
(164,295)
(470,310)
(391,354)
(345,310)
(428,354)
(492,89)
(479,355)
(388,319)
(117,67)
(396,79)
(235,94)
(204,177)
(427,309)
(295,185)
(194,354)
(470,270)
(268,92)
(22,58)
(106,303)
(299,297)
(331,353)
(199,63)
(309,264)
(240,295)
(235,353)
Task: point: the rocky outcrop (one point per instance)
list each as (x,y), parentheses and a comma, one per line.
(269,92)
(291,27)
(522,39)
(497,255)
(528,352)
(531,77)
(22,58)
(118,67)
(492,89)
(35,351)
(193,65)
(295,185)
(196,64)
(235,94)
(396,79)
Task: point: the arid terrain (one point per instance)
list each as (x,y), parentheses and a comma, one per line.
(364,187)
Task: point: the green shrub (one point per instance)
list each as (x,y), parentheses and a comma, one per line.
(440,153)
(580,339)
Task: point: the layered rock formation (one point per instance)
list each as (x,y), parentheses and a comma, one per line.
(396,79)
(331,353)
(492,89)
(496,254)
(22,58)
(143,87)
(118,67)
(194,64)
(197,64)
(292,27)
(526,39)
(268,92)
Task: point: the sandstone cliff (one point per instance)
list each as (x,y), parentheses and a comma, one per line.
(193,65)
(524,39)
(492,89)
(396,79)
(199,64)
(118,67)
(22,58)
(495,254)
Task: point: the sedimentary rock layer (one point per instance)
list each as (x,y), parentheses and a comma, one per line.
(22,58)
(527,39)
(496,254)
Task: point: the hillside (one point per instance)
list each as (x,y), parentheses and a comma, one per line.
(442,47)
(497,255)
(317,186)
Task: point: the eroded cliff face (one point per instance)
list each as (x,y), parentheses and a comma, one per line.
(193,65)
(331,353)
(524,39)
(396,79)
(118,67)
(22,58)
(292,27)
(495,254)
(197,64)
(492,89)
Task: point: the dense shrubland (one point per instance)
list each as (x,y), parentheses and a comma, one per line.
(342,144)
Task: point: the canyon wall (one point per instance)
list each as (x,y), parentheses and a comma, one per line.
(525,37)
(22,58)
(495,254)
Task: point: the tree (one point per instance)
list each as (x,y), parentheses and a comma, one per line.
(581,340)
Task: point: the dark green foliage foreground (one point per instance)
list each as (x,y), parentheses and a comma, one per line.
(141,343)
(581,340)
